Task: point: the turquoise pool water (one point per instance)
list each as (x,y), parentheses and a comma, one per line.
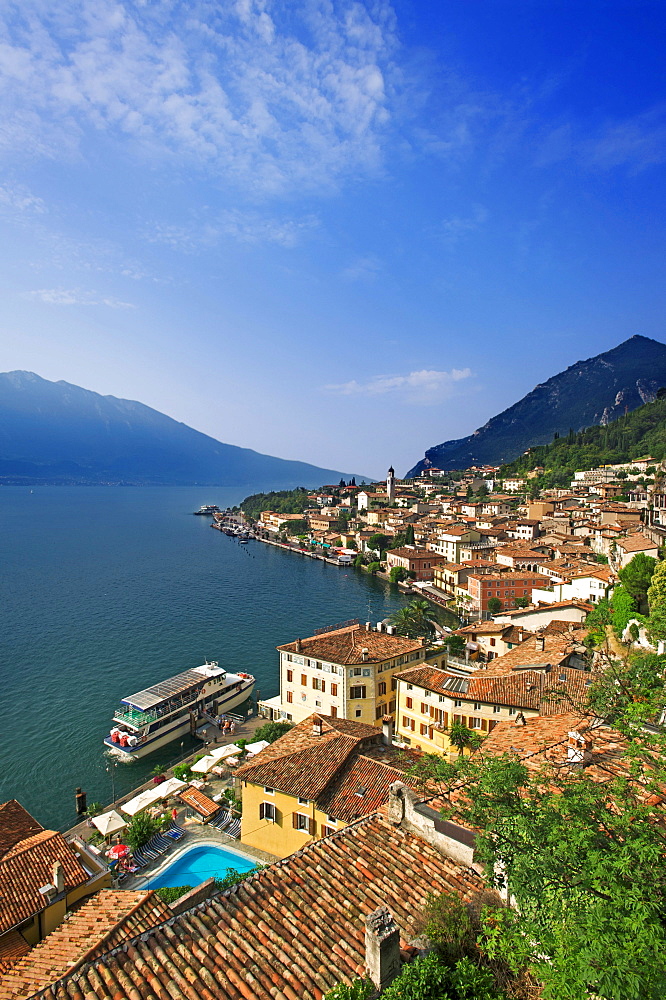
(197,864)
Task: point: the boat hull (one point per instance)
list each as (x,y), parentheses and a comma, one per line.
(182,728)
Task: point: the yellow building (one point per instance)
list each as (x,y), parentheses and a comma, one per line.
(533,679)
(315,780)
(347,673)
(41,876)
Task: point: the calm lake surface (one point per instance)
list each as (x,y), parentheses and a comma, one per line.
(106,590)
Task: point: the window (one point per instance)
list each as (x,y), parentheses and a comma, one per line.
(441,697)
(268,812)
(477,706)
(290,697)
(410,701)
(391,707)
(394,684)
(332,820)
(492,642)
(356,672)
(476,722)
(457,703)
(334,690)
(318,684)
(405,722)
(358,713)
(357,692)
(379,712)
(305,823)
(304,680)
(290,675)
(412,725)
(424,708)
(303,802)
(497,708)
(333,712)
(423,729)
(381,689)
(269,791)
(326,831)
(409,687)
(512,711)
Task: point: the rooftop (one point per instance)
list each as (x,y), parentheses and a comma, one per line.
(346,646)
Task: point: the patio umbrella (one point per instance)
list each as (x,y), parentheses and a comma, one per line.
(257,747)
(119,851)
(109,822)
(223,752)
(203,765)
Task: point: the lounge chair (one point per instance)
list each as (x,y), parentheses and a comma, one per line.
(234,829)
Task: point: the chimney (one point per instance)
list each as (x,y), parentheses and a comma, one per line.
(382,947)
(520,720)
(58,877)
(364,654)
(390,630)
(317,725)
(387,730)
(520,635)
(380,626)
(368,626)
(539,644)
(299,646)
(579,749)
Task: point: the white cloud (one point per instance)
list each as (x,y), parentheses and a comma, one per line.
(457,227)
(427,386)
(19,199)
(363,268)
(636,143)
(247,227)
(272,96)
(73,297)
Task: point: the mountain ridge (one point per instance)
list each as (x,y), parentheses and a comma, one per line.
(591,391)
(59,432)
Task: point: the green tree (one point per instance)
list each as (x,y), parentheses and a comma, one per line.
(299,527)
(272,731)
(141,829)
(657,602)
(463,738)
(584,860)
(359,561)
(378,542)
(374,567)
(429,978)
(409,535)
(170,893)
(415,621)
(636,577)
(521,602)
(397,574)
(455,645)
(494,605)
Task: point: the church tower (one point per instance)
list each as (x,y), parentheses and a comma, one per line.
(390,484)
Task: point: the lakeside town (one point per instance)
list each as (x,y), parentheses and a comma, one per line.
(378,790)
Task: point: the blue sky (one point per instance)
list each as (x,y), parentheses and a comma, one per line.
(335,231)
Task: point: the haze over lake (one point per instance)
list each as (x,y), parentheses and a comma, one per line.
(104,591)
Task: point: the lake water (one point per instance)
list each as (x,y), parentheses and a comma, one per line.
(106,590)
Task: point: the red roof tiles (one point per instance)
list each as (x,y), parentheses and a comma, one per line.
(346,646)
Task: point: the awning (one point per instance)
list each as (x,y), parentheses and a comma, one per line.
(257,747)
(109,822)
(151,795)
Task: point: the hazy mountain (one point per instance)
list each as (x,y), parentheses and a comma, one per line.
(595,391)
(54,432)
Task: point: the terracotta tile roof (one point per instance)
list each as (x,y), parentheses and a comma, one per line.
(573,603)
(101,924)
(329,769)
(28,867)
(291,932)
(345,645)
(545,690)
(635,543)
(557,646)
(16,824)
(13,946)
(199,802)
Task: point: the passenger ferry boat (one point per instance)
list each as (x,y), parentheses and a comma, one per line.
(207,509)
(159,714)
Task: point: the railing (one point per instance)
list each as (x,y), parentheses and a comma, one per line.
(133,717)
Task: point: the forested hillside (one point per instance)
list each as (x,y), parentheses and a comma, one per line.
(642,432)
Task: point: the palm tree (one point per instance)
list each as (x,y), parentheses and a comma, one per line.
(463,738)
(414,621)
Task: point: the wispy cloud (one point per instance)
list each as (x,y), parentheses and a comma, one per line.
(363,268)
(427,386)
(272,96)
(635,143)
(18,198)
(74,297)
(454,229)
(249,227)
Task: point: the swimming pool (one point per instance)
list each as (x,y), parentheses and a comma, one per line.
(199,862)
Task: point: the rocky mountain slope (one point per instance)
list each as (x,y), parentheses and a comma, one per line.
(594,391)
(54,432)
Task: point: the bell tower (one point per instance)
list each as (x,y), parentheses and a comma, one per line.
(390,484)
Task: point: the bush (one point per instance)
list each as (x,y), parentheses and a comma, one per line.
(182,771)
(170,893)
(455,645)
(397,574)
(624,609)
(374,567)
(140,830)
(272,731)
(233,876)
